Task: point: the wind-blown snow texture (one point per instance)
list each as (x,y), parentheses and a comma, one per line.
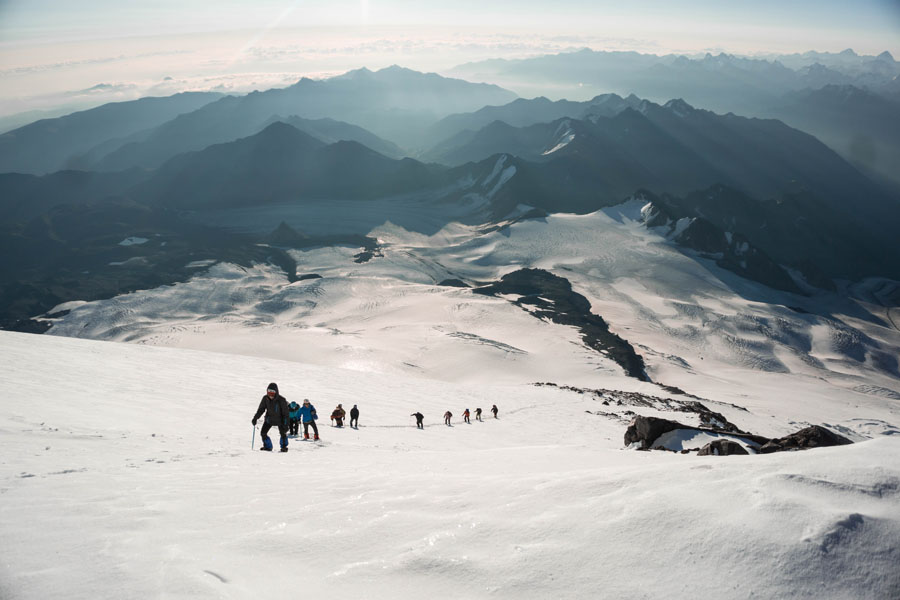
(126,472)
(127,469)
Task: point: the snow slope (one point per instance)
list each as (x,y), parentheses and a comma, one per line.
(126,472)
(127,469)
(699,327)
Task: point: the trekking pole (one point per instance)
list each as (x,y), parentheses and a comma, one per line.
(253,439)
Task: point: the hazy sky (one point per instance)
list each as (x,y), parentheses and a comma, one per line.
(75,53)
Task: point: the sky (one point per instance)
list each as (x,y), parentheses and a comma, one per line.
(57,53)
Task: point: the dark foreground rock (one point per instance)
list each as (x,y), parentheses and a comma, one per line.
(722,448)
(811,437)
(646,430)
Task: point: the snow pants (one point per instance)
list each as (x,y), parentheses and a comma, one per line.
(354,422)
(306,428)
(264,432)
(295,426)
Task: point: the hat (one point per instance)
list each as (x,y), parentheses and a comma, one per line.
(273,387)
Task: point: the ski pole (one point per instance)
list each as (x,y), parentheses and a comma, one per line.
(253,439)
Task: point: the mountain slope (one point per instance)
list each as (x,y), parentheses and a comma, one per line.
(860,125)
(331,131)
(502,508)
(393,103)
(522,113)
(281,163)
(47,145)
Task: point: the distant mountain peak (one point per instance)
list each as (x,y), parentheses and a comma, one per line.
(361,73)
(886,56)
(848,52)
(278,129)
(679,107)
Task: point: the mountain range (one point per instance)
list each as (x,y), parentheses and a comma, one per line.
(800,209)
(837,97)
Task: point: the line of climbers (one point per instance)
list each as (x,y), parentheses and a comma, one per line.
(287,418)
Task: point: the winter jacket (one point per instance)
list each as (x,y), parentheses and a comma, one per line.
(294,411)
(354,413)
(308,413)
(338,413)
(276,410)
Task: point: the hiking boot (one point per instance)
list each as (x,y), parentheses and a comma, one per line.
(264,449)
(305,436)
(316,437)
(284,449)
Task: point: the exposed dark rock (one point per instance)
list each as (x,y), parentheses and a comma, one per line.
(548,296)
(309,276)
(709,418)
(286,236)
(370,251)
(722,448)
(810,437)
(365,256)
(25,325)
(732,251)
(646,430)
(454,283)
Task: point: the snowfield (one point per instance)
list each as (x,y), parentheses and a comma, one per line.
(128,471)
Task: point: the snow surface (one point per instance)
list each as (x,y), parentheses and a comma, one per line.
(138,467)
(127,473)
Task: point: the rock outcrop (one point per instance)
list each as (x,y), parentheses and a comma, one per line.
(646,430)
(811,437)
(722,448)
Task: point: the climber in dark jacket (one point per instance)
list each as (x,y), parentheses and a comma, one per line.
(354,417)
(277,411)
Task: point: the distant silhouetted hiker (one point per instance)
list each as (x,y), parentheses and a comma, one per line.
(338,414)
(419,418)
(308,416)
(294,416)
(494,410)
(447,416)
(276,409)
(466,416)
(354,417)
(478,414)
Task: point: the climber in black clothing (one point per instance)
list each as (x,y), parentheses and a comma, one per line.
(277,415)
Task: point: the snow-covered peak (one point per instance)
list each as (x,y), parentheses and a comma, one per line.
(679,107)
(563,136)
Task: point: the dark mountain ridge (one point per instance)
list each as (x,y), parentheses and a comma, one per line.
(281,164)
(49,145)
(393,103)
